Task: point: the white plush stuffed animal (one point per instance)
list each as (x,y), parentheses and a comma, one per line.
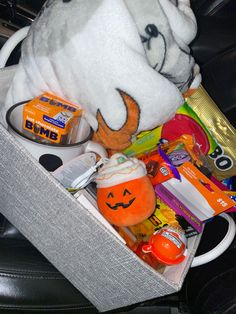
(126,62)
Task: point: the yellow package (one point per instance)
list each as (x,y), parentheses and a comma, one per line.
(223,159)
(162,216)
(52,119)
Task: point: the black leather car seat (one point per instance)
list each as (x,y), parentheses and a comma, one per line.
(208,7)
(29,282)
(214,50)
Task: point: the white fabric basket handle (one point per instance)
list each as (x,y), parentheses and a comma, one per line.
(11,43)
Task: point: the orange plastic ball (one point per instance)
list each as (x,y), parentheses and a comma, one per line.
(167,245)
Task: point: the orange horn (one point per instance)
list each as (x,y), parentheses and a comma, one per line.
(119,139)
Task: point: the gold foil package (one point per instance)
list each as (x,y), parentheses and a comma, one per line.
(223,159)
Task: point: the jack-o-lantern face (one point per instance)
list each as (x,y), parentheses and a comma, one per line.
(117,205)
(128,203)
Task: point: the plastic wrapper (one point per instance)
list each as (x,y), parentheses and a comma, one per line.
(185,149)
(223,157)
(159,167)
(186,121)
(161,217)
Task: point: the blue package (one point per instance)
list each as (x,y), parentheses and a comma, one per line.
(229,183)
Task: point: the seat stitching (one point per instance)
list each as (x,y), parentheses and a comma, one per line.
(18,270)
(56,307)
(31,277)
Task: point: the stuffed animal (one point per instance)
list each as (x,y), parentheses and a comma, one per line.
(126,62)
(125,195)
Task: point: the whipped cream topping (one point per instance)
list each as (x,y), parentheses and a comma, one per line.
(120,169)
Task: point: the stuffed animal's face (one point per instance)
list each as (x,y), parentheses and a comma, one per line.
(127,203)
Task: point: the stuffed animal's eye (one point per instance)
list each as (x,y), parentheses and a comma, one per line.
(151,30)
(126,192)
(110,195)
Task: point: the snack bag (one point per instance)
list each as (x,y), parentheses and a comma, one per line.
(185,149)
(159,167)
(185,121)
(223,157)
(51,119)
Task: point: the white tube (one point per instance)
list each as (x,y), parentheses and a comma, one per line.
(11,43)
(221,247)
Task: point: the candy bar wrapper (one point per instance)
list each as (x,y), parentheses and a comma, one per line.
(159,167)
(222,160)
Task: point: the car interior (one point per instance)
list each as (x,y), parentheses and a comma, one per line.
(29,283)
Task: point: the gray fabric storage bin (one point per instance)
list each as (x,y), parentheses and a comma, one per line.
(89,255)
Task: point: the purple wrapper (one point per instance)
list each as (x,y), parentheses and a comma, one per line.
(180,209)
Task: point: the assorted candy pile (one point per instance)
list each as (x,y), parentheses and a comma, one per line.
(176,158)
